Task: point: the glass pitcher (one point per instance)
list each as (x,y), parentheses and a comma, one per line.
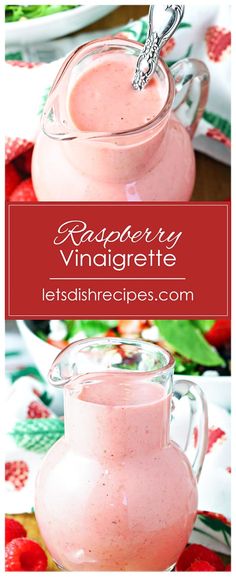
(152,162)
(115,493)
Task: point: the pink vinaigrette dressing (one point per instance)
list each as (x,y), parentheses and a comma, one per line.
(131,498)
(103,99)
(149,155)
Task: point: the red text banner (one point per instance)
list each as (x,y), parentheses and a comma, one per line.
(115,260)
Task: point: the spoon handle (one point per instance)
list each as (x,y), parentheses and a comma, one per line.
(148,58)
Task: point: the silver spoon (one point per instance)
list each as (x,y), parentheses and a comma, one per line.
(168,19)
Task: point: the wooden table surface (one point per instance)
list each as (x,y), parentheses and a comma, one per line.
(213,178)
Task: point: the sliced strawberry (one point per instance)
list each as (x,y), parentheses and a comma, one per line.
(219,333)
(13,530)
(17,473)
(37,410)
(12,179)
(24,192)
(193,553)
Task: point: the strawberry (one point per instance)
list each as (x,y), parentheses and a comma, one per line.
(201,566)
(218,42)
(219,333)
(12,179)
(13,530)
(17,472)
(193,553)
(228,567)
(24,192)
(25,555)
(37,410)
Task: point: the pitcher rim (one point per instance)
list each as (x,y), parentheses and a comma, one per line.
(84,343)
(77,134)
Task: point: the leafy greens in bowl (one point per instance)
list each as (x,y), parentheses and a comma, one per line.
(197,345)
(14,13)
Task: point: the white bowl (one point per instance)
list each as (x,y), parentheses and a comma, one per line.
(217,389)
(54,25)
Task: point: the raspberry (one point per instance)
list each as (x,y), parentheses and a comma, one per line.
(12,179)
(13,529)
(194,553)
(23,163)
(24,192)
(37,410)
(17,472)
(25,555)
(201,566)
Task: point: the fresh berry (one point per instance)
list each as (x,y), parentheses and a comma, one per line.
(201,566)
(228,567)
(24,192)
(214,435)
(15,146)
(218,42)
(219,333)
(13,530)
(17,473)
(12,179)
(194,553)
(23,163)
(25,555)
(37,410)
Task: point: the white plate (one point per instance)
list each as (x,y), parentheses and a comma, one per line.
(55,25)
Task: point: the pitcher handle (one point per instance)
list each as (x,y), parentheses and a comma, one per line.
(191,79)
(197,434)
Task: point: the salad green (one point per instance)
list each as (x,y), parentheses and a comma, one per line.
(186,339)
(14,13)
